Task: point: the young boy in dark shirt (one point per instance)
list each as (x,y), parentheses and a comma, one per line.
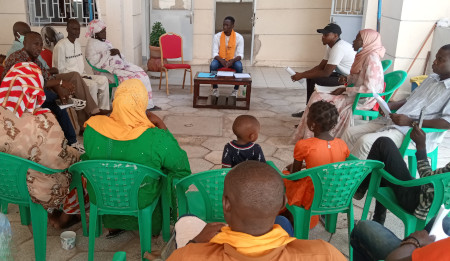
(246,129)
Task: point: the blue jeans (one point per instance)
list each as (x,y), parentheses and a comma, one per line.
(61,116)
(372,241)
(216,65)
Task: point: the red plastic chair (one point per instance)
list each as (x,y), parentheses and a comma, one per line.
(47,55)
(171,45)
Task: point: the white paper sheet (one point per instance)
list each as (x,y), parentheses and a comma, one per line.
(290,71)
(437,229)
(383,105)
(242,75)
(225,74)
(326,89)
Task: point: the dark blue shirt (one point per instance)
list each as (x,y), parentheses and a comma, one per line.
(234,153)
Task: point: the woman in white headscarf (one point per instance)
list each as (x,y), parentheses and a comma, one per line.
(101,54)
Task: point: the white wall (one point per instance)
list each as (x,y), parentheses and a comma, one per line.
(286,32)
(404,26)
(124,31)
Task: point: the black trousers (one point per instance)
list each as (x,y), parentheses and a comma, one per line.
(332,80)
(384,150)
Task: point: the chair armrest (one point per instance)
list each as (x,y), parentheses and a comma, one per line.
(407,139)
(415,182)
(351,157)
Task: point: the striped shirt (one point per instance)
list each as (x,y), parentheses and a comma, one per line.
(234,153)
(426,190)
(434,96)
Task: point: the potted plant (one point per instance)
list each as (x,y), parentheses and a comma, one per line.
(154,63)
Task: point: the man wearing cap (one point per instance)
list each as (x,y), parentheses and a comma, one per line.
(337,61)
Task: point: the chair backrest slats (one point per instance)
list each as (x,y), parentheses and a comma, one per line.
(210,187)
(115,183)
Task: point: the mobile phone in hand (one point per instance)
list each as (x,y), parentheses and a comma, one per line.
(421,116)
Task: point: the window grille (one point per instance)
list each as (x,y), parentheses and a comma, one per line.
(348,7)
(57,12)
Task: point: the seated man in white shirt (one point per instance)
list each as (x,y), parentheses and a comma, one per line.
(337,61)
(433,95)
(67,57)
(228,50)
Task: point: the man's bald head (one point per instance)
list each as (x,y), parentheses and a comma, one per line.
(20,27)
(253,196)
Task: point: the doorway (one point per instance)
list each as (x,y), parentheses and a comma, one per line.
(177,17)
(243,13)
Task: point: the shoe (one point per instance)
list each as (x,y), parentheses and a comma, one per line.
(155,108)
(216,92)
(114,233)
(234,93)
(298,114)
(78,146)
(359,194)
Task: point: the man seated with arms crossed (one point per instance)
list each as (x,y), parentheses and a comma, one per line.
(337,61)
(67,57)
(252,197)
(433,96)
(228,50)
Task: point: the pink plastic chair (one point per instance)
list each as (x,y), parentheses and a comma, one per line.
(171,45)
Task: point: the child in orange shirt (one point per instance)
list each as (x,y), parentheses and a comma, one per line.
(320,150)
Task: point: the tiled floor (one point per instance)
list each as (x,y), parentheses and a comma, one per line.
(274,98)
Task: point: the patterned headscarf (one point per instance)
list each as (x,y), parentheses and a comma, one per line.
(94,27)
(128,119)
(371,44)
(22,89)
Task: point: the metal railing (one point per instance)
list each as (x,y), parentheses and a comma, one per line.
(347,7)
(57,12)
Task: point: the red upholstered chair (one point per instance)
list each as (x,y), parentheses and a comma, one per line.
(171,45)
(47,55)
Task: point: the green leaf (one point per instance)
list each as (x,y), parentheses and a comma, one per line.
(157,31)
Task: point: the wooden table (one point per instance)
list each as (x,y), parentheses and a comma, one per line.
(221,80)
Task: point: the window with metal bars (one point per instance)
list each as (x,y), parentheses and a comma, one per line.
(57,12)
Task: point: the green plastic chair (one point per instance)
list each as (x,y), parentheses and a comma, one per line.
(13,189)
(386,196)
(111,85)
(116,186)
(386,64)
(334,187)
(406,151)
(205,201)
(393,81)
(120,256)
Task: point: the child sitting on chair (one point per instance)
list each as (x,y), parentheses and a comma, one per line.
(246,129)
(320,150)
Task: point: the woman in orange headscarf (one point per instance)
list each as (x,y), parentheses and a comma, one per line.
(366,75)
(128,135)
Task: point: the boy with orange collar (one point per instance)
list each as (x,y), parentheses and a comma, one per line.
(228,50)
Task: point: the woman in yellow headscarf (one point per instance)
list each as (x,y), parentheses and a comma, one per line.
(128,135)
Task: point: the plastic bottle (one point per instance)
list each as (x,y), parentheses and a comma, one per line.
(5,238)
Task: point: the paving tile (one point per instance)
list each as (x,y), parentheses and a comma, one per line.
(281,142)
(215,144)
(268,149)
(190,140)
(198,165)
(195,151)
(215,157)
(285,155)
(20,234)
(340,240)
(208,126)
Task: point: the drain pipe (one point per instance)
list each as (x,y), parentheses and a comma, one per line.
(379,15)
